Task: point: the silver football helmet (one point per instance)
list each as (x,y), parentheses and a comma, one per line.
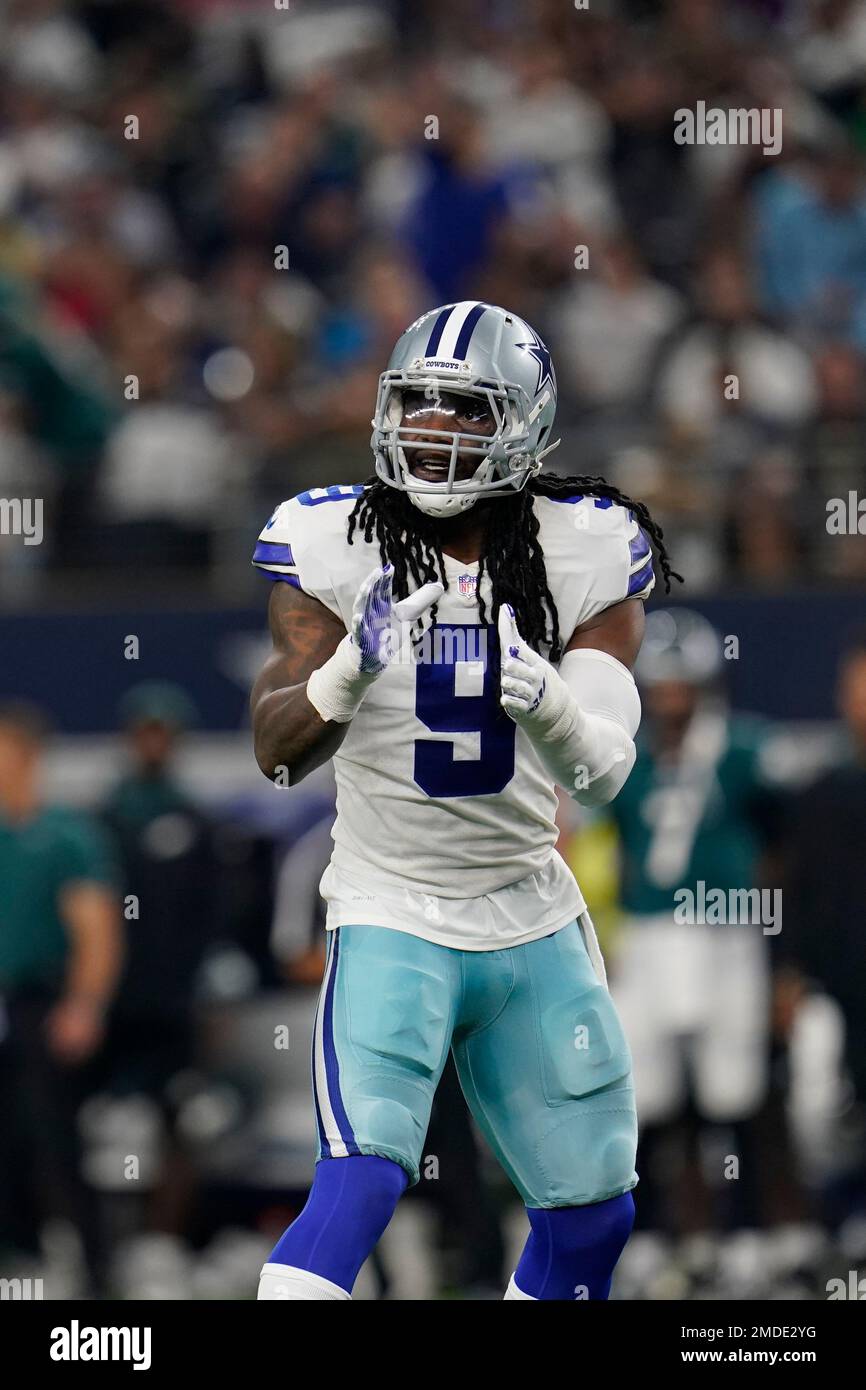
(476,350)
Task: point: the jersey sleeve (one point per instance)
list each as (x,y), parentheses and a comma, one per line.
(620,557)
(302,542)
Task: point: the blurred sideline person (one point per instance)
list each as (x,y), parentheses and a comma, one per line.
(60,954)
(693,994)
(824,941)
(169,873)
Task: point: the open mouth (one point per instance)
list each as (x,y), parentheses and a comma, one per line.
(432,466)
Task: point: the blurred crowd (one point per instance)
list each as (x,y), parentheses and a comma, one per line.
(216,218)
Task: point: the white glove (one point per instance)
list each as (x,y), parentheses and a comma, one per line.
(378,629)
(379,625)
(587,747)
(534,695)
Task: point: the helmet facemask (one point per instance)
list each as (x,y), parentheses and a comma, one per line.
(504,463)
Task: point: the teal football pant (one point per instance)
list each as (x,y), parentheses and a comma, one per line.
(540,1053)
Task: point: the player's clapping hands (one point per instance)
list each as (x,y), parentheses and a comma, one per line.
(376,632)
(524,674)
(379,624)
(587,747)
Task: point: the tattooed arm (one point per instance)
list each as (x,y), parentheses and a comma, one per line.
(317,676)
(287,731)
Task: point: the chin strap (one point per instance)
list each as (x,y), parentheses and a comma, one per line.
(544,452)
(466,501)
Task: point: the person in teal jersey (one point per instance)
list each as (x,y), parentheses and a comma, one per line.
(166,850)
(691,982)
(60,952)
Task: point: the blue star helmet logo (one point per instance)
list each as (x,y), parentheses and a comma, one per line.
(541,354)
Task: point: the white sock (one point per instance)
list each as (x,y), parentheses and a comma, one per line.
(513,1292)
(284,1281)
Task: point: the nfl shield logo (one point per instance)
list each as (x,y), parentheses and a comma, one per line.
(467,584)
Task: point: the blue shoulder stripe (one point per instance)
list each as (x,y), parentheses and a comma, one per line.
(337,492)
(273,553)
(601,502)
(639,548)
(640,579)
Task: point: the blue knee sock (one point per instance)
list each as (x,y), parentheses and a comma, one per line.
(571,1251)
(350,1204)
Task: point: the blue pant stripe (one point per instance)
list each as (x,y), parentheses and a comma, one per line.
(332,1069)
(323,1143)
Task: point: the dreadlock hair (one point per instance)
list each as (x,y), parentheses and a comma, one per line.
(510,554)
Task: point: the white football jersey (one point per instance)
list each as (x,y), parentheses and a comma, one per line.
(441,799)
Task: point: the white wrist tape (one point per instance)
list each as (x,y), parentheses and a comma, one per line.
(336,689)
(587,723)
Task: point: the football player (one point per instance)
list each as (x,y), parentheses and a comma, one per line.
(699,814)
(458,635)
